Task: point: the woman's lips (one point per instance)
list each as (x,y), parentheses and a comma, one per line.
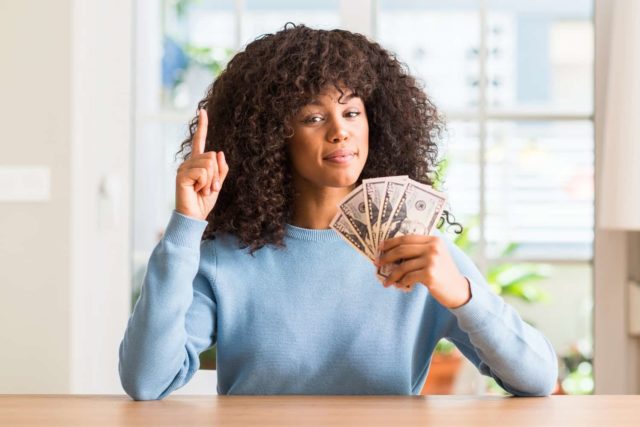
(341,159)
(341,156)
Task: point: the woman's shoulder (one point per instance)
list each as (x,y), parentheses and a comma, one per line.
(223,242)
(220,240)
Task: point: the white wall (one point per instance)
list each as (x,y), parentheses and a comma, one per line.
(616,354)
(102,42)
(64,264)
(35,115)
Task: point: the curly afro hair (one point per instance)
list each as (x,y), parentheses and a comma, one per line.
(251,103)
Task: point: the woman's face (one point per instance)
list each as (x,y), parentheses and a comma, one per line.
(330,142)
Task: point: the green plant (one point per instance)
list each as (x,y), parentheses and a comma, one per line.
(208,358)
(512,280)
(445,347)
(181,56)
(180,6)
(515,280)
(577,364)
(212,58)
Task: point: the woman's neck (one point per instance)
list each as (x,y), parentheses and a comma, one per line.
(314,208)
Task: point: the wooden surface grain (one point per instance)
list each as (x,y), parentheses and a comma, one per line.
(113,411)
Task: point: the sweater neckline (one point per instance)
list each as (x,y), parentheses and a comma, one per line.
(309,234)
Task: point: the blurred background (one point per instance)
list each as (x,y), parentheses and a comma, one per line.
(87,175)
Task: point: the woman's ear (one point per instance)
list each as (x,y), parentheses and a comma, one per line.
(288,131)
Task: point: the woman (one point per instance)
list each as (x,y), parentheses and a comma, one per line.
(248,261)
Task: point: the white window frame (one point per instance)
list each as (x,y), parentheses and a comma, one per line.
(360,16)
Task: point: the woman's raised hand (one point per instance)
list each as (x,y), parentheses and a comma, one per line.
(200,178)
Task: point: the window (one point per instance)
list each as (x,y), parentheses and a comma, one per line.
(514,79)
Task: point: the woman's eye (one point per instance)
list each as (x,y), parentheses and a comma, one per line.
(313,119)
(353,113)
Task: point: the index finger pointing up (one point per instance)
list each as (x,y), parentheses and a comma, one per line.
(200,137)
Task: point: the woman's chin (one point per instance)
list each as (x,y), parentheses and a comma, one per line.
(345,180)
(331,177)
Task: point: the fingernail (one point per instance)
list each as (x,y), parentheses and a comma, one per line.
(216,185)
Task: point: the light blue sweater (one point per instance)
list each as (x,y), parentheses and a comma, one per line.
(310,319)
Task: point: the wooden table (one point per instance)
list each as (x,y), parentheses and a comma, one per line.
(360,411)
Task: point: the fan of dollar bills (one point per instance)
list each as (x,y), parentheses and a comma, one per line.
(382,208)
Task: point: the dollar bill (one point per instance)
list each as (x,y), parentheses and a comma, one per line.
(383,208)
(374,191)
(417,213)
(341,224)
(353,207)
(393,193)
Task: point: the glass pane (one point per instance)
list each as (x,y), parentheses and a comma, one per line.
(539,189)
(199,37)
(154,187)
(547,296)
(540,55)
(260,17)
(439,42)
(461,180)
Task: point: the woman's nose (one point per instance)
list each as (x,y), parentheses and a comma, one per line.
(337,134)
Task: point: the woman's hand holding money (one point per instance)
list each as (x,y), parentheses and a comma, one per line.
(426,260)
(200,178)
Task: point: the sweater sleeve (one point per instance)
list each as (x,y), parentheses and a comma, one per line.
(491,334)
(174,319)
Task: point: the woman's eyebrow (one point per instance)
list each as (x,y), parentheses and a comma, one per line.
(344,98)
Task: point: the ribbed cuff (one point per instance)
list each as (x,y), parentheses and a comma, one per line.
(184,231)
(474,314)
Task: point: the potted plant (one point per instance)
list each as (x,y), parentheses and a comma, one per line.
(445,364)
